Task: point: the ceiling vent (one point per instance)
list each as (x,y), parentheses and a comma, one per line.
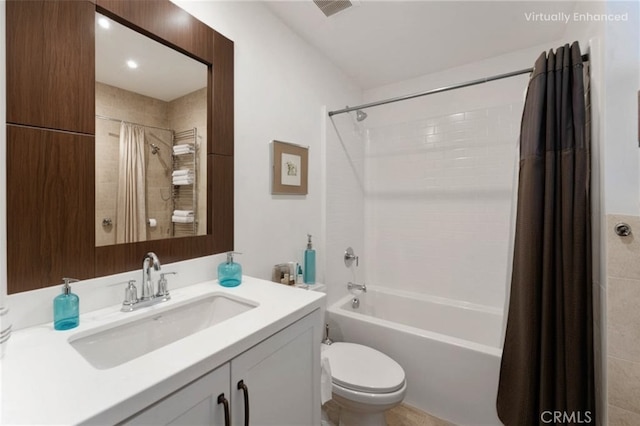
(331,7)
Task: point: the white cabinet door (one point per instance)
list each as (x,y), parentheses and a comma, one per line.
(194,404)
(282,376)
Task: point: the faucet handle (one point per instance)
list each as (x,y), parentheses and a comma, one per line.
(163,288)
(349,257)
(130,296)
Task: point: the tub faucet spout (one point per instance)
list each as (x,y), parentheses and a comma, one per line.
(354,286)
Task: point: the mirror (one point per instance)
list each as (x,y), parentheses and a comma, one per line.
(52,162)
(151,138)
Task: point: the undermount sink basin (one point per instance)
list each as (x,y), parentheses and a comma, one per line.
(116,345)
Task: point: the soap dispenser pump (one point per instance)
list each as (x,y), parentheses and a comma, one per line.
(230,272)
(66,308)
(309,272)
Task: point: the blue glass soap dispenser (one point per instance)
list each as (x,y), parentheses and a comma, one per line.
(66,308)
(309,272)
(230,272)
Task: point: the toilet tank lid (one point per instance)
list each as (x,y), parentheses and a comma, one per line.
(362,368)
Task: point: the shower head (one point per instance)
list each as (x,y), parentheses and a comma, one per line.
(360,115)
(154,148)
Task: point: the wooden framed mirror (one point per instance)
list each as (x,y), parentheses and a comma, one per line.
(51,138)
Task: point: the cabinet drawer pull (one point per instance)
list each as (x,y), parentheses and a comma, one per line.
(225,401)
(245,390)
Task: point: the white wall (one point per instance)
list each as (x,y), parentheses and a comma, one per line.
(281,88)
(622,81)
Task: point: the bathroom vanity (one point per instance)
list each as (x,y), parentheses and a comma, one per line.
(261,358)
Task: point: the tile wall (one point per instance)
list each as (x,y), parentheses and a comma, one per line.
(439,193)
(622,323)
(344,203)
(182,113)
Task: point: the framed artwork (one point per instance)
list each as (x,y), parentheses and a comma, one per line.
(290,168)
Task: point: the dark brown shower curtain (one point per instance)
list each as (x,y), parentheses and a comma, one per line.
(547,375)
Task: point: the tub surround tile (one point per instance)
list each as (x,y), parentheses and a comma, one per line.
(462,164)
(619,323)
(118,103)
(621,417)
(345,147)
(623,319)
(624,384)
(623,252)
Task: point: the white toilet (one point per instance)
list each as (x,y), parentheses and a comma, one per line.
(365,383)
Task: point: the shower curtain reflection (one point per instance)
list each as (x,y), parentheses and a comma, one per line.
(131,209)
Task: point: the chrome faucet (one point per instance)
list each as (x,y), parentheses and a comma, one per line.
(354,286)
(148,297)
(150,259)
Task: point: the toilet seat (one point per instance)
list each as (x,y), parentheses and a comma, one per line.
(363,369)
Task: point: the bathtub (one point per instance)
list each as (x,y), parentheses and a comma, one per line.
(450,351)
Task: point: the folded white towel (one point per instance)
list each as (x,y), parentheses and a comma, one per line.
(182,219)
(183,213)
(186,172)
(325,381)
(182,182)
(182,148)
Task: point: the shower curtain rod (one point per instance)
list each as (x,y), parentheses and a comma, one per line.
(585,58)
(102,117)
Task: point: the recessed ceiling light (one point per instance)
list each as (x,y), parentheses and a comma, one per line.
(132,64)
(104,23)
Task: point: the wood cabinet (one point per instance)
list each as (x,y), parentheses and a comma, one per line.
(50,142)
(49,225)
(282,379)
(51,64)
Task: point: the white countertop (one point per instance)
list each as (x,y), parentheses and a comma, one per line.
(45,381)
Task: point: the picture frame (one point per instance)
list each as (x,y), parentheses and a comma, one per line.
(290,169)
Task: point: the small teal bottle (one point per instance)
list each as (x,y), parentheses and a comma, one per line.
(230,272)
(309,263)
(66,308)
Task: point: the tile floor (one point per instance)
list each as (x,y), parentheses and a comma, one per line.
(402,415)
